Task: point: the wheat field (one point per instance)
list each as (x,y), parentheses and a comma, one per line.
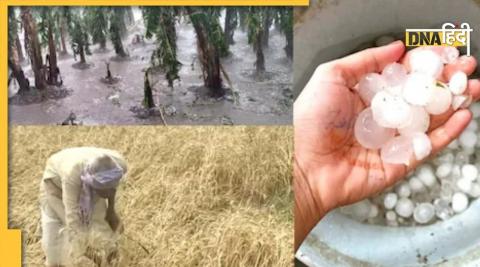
(193,196)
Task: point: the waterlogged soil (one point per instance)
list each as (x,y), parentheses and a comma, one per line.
(250,98)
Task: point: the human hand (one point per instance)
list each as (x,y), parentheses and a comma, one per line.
(114,221)
(331,168)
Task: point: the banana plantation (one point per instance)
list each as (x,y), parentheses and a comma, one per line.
(150,65)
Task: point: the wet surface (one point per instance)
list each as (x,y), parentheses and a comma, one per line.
(254,99)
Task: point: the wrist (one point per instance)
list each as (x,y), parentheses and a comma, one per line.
(308,209)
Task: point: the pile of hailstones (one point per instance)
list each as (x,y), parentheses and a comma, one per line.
(396,122)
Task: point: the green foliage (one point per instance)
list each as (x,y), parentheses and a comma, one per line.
(209,18)
(97,23)
(117,23)
(160,21)
(254,25)
(13,24)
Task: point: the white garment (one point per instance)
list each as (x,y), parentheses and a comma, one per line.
(64,238)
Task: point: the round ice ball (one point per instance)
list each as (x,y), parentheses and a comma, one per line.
(391,215)
(397,150)
(439,102)
(418,89)
(468,139)
(426,175)
(404,207)
(391,111)
(458,83)
(464,185)
(395,76)
(443,170)
(403,189)
(419,122)
(461,101)
(359,210)
(373,211)
(422,146)
(416,185)
(390,200)
(368,133)
(369,85)
(427,62)
(442,208)
(459,202)
(470,172)
(423,213)
(449,54)
(475,190)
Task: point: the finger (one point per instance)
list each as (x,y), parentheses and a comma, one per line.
(445,134)
(355,66)
(473,89)
(464,64)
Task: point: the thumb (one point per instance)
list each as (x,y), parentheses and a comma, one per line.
(355,66)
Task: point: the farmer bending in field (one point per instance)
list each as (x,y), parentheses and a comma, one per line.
(77,199)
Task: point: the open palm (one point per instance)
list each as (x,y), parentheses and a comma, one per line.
(334,168)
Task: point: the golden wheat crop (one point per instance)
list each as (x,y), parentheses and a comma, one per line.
(194,196)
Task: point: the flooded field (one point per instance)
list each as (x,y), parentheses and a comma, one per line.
(264,99)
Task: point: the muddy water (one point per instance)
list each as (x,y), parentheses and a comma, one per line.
(261,100)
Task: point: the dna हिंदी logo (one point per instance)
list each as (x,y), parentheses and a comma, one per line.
(448,35)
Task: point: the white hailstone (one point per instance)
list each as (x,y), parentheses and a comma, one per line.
(467,102)
(403,189)
(391,215)
(449,54)
(418,89)
(469,150)
(456,172)
(442,208)
(373,211)
(419,122)
(459,202)
(390,201)
(445,158)
(397,151)
(461,101)
(423,213)
(458,83)
(404,207)
(443,170)
(391,111)
(461,158)
(416,185)
(422,146)
(370,85)
(453,144)
(446,189)
(475,108)
(359,210)
(440,101)
(426,61)
(468,139)
(368,133)
(470,172)
(395,76)
(464,185)
(475,190)
(426,175)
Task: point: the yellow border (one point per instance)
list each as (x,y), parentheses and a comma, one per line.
(157,3)
(11,239)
